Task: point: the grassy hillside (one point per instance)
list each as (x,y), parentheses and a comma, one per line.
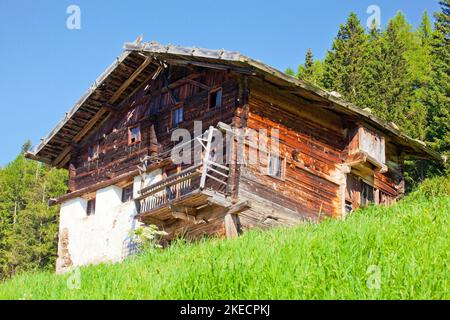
(405,246)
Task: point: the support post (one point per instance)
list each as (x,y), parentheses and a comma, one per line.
(231,230)
(206,158)
(231,217)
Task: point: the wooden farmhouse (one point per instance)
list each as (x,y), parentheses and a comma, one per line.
(329,156)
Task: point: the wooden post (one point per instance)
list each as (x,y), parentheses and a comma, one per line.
(239,122)
(73,168)
(231,230)
(72,174)
(206,157)
(230,220)
(154,148)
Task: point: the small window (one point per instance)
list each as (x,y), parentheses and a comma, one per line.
(215,99)
(134,135)
(93,152)
(348,206)
(127,193)
(91,207)
(177,117)
(367,194)
(275,166)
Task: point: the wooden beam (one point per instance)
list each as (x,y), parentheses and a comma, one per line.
(106,183)
(58,161)
(130,80)
(231,229)
(154,221)
(199,84)
(184,216)
(216,66)
(230,219)
(238,208)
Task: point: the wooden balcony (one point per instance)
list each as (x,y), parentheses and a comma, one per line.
(185,198)
(195,196)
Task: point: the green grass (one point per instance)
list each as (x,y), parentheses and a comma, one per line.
(407,243)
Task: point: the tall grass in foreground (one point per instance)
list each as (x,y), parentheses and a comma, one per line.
(406,245)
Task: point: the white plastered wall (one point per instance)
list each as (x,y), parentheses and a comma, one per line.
(99,237)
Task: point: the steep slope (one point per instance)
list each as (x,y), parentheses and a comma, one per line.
(398,252)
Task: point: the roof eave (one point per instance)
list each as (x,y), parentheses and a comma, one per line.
(235,57)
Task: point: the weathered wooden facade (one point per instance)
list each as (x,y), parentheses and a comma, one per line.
(331,158)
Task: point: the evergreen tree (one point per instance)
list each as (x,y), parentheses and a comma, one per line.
(344,64)
(438,132)
(373,70)
(393,86)
(311,70)
(28,227)
(290,72)
(309,60)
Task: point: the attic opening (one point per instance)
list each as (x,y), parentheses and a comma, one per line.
(215,99)
(93,152)
(134,135)
(177,117)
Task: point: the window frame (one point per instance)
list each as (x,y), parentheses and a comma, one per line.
(174,110)
(282,163)
(130,133)
(130,195)
(367,199)
(90,207)
(214,91)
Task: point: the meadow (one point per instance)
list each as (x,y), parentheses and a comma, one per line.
(396,252)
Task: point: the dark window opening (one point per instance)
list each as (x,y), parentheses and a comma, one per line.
(134,135)
(275,166)
(367,194)
(215,99)
(348,206)
(177,117)
(93,152)
(127,194)
(91,207)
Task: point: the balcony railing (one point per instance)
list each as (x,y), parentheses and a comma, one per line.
(206,175)
(169,189)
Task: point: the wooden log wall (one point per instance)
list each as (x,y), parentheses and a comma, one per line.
(311,149)
(388,186)
(153,105)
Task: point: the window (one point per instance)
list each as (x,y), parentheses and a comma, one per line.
(215,99)
(93,152)
(348,206)
(367,194)
(127,193)
(177,117)
(91,207)
(275,166)
(134,135)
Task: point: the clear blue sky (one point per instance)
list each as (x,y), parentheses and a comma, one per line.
(45,67)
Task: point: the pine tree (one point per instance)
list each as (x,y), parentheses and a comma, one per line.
(373,71)
(344,63)
(290,72)
(28,227)
(439,94)
(311,70)
(393,87)
(309,60)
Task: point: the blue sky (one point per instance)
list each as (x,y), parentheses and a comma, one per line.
(45,67)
